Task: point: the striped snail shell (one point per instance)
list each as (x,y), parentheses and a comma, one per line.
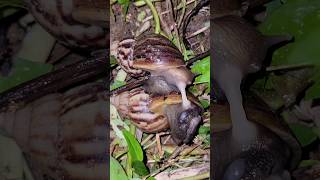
(63,136)
(138,106)
(76,23)
(148,52)
(160,57)
(157,113)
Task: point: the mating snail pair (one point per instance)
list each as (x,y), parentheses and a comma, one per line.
(157,105)
(256,147)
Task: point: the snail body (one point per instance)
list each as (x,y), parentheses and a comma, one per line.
(153,113)
(157,55)
(75,23)
(238,49)
(273,152)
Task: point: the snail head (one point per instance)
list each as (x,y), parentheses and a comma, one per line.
(184,125)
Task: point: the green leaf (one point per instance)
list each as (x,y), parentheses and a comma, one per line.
(116,170)
(113,61)
(301,19)
(116,84)
(313,92)
(304,134)
(202,68)
(316,131)
(151,178)
(204,103)
(272,6)
(134,148)
(204,130)
(140,168)
(23,70)
(308,163)
(12,3)
(125,5)
(141,16)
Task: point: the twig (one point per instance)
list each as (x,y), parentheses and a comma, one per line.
(167,11)
(198,32)
(198,177)
(130,85)
(288,67)
(147,139)
(188,18)
(184,4)
(198,57)
(159,145)
(155,16)
(162,168)
(177,151)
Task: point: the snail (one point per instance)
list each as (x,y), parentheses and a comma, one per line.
(155,113)
(161,58)
(63,135)
(58,139)
(274,152)
(238,49)
(75,23)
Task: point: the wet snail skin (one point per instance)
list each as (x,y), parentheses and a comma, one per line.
(246,150)
(158,56)
(157,113)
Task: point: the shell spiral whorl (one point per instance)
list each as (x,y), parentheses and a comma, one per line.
(148,53)
(64,19)
(156,113)
(160,57)
(141,109)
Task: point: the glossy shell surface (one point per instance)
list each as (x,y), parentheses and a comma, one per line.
(63,136)
(149,52)
(61,19)
(145,111)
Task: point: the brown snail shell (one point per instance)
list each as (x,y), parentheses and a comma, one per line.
(149,52)
(138,106)
(63,136)
(157,55)
(75,23)
(153,114)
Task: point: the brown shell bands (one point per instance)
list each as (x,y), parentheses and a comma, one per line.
(60,19)
(145,111)
(148,52)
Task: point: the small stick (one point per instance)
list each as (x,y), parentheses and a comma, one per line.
(198,32)
(130,85)
(288,67)
(188,18)
(197,57)
(53,82)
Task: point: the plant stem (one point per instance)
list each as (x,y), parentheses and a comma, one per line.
(184,4)
(129,158)
(199,176)
(155,16)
